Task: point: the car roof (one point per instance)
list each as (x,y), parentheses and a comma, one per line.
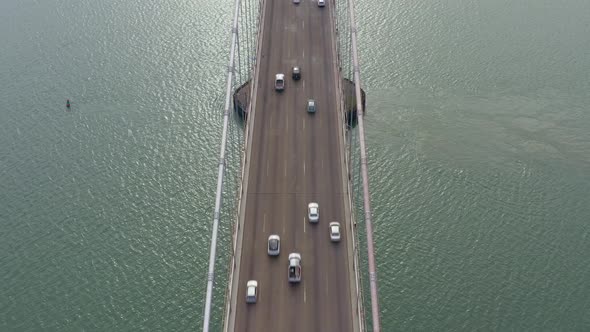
(252,283)
(312,204)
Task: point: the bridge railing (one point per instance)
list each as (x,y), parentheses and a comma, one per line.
(228,307)
(375,312)
(227,111)
(346,132)
(358,153)
(220,177)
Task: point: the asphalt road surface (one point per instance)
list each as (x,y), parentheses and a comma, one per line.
(295,160)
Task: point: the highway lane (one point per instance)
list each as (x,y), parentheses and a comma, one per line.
(295,159)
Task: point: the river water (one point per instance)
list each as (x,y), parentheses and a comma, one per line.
(478,130)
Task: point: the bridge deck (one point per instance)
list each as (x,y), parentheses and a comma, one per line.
(295,158)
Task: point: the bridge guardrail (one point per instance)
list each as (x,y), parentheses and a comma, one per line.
(375,312)
(347,155)
(221,171)
(228,309)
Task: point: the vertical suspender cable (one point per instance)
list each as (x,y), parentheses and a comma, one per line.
(351,130)
(365,175)
(248,40)
(239,68)
(221,167)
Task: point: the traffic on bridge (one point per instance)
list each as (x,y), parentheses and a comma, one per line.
(295,249)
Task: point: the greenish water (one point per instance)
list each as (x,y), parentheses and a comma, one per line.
(479,139)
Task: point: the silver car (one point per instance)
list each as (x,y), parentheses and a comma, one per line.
(321,3)
(274,245)
(280,82)
(335,231)
(313,212)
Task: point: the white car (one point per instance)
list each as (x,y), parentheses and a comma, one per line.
(274,245)
(321,3)
(296,1)
(280,82)
(294,267)
(251,291)
(335,231)
(313,212)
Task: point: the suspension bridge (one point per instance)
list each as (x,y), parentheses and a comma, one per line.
(276,157)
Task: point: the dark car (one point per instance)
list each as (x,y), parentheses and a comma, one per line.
(296,73)
(311,106)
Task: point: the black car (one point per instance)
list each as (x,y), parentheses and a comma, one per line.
(296,73)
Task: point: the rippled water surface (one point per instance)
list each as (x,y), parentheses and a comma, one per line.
(479,140)
(106,208)
(480,162)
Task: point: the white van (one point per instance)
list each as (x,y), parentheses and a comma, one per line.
(251,291)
